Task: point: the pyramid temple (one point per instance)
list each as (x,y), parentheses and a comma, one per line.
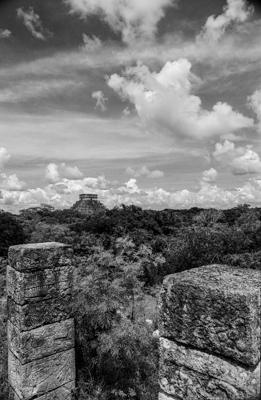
(88,204)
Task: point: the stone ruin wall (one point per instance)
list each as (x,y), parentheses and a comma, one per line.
(41,354)
(210,335)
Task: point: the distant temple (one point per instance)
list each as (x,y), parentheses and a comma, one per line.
(88,204)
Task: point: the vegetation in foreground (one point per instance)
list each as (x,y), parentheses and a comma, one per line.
(121,258)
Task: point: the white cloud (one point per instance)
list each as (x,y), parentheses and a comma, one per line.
(144,171)
(54,172)
(91,44)
(65,192)
(11,182)
(255,104)
(235,11)
(165,102)
(33,23)
(133,19)
(247,163)
(100,100)
(209,175)
(241,160)
(4,157)
(5,33)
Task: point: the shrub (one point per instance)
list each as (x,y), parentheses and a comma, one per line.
(11,232)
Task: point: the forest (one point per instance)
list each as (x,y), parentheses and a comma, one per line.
(121,257)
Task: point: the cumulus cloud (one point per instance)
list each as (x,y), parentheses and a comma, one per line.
(242,160)
(100,100)
(133,19)
(11,182)
(5,33)
(144,171)
(4,157)
(255,104)
(209,175)
(247,163)
(235,11)
(165,102)
(33,23)
(55,172)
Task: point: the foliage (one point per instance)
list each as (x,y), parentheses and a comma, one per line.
(127,360)
(11,232)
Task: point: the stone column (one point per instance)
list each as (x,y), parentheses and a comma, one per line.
(210,335)
(41,355)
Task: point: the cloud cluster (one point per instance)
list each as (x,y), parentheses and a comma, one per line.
(5,33)
(55,172)
(64,193)
(209,175)
(165,102)
(33,23)
(145,172)
(11,182)
(133,19)
(242,160)
(235,11)
(100,100)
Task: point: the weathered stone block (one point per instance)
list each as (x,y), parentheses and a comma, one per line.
(39,285)
(214,308)
(39,256)
(194,375)
(39,377)
(40,342)
(36,314)
(64,392)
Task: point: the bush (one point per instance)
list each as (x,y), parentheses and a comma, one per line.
(11,232)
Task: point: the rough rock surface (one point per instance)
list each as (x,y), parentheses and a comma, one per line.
(39,256)
(41,376)
(216,309)
(36,314)
(41,342)
(195,375)
(41,355)
(64,392)
(27,286)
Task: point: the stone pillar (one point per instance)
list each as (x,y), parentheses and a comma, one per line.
(209,321)
(41,355)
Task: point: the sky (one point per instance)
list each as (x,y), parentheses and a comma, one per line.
(155,103)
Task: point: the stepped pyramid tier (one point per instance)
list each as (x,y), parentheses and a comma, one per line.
(88,204)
